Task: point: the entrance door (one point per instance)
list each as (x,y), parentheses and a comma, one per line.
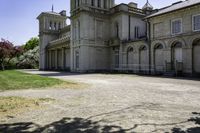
(196,58)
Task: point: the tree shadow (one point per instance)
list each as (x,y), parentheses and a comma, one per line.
(196,129)
(65,125)
(86,125)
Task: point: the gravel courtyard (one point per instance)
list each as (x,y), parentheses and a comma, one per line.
(111,103)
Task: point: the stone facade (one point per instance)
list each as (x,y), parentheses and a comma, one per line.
(108,37)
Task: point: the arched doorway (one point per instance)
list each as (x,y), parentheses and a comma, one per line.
(143,58)
(177,55)
(158,58)
(130,58)
(196,56)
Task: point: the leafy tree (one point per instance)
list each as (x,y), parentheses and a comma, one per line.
(31,44)
(6,48)
(15,52)
(29,59)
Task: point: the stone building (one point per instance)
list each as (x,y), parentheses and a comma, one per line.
(108,37)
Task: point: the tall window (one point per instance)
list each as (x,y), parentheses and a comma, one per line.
(50,25)
(99,3)
(117,30)
(92,2)
(136,32)
(59,25)
(196,23)
(79,29)
(55,26)
(176,26)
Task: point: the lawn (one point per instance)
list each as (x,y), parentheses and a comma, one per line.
(15,80)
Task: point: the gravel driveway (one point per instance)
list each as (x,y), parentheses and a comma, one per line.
(112,103)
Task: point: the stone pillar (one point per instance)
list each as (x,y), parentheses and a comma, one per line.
(120,57)
(47,59)
(50,60)
(63,58)
(56,59)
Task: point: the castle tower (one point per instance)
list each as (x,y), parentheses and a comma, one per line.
(50,24)
(89,33)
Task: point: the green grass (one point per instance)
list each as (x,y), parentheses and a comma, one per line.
(15,80)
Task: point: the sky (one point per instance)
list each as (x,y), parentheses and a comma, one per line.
(18,21)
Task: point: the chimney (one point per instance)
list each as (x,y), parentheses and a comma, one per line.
(132,4)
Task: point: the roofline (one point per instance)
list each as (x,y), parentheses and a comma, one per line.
(170,11)
(45,13)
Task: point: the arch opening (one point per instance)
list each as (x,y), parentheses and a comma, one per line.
(158,58)
(143,59)
(196,56)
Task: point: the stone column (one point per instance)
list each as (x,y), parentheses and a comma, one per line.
(120,57)
(56,59)
(50,60)
(63,62)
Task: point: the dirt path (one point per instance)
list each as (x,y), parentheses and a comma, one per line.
(122,103)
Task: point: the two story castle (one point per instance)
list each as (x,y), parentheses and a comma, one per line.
(103,36)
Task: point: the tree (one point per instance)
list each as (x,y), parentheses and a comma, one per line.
(15,52)
(29,59)
(6,48)
(31,44)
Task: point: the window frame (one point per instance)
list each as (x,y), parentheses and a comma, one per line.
(181,26)
(193,23)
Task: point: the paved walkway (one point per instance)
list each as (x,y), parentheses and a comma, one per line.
(112,103)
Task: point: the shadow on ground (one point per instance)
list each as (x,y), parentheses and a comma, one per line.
(196,120)
(69,125)
(81,125)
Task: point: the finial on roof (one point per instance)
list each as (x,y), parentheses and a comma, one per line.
(147,6)
(52,8)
